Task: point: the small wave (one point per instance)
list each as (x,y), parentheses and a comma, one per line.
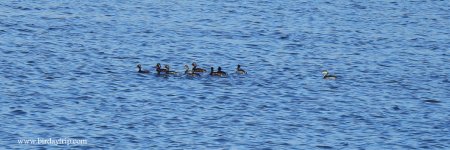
(432,101)
(18,112)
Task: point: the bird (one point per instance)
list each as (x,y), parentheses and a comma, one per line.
(189,72)
(168,70)
(140,69)
(159,70)
(187,69)
(212,73)
(218,73)
(222,73)
(239,70)
(195,69)
(326,75)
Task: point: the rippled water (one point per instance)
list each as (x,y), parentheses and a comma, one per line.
(68,69)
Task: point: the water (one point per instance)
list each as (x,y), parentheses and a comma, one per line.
(68,70)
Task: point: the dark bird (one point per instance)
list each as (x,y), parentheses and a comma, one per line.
(140,69)
(222,73)
(189,72)
(195,69)
(168,70)
(159,70)
(239,70)
(218,73)
(212,73)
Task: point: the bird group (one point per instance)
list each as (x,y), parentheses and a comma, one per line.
(195,72)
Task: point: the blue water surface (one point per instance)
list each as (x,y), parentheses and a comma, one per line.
(68,70)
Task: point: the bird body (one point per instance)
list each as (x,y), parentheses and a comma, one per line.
(218,73)
(327,76)
(239,70)
(195,69)
(140,69)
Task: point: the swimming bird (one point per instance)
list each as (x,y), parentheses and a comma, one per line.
(222,73)
(239,70)
(218,73)
(159,70)
(326,75)
(195,69)
(140,69)
(212,73)
(187,69)
(168,70)
(189,72)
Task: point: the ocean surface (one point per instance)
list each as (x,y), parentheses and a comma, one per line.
(68,70)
